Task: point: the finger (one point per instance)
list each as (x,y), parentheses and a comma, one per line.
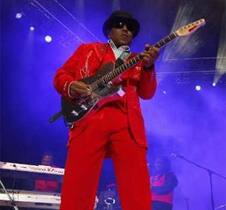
(147,46)
(79,84)
(148,60)
(154,49)
(151,48)
(80,90)
(152,53)
(146,55)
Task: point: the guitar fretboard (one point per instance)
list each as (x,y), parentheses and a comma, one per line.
(133,61)
(165,40)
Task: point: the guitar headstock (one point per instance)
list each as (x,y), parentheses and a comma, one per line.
(190,28)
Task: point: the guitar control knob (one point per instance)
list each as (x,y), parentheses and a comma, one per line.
(84,107)
(75,113)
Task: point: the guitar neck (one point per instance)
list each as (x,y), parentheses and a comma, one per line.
(163,42)
(133,61)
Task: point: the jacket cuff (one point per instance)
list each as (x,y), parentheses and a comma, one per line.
(69,90)
(66,89)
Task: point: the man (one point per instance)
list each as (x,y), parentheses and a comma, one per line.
(116,127)
(47,184)
(163,182)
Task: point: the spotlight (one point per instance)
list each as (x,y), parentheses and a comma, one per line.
(18,15)
(32,28)
(48,38)
(213,84)
(164,92)
(198,87)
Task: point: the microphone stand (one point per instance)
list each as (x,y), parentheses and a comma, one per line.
(187,203)
(9,196)
(210,173)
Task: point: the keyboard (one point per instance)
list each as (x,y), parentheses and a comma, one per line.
(31,199)
(32,168)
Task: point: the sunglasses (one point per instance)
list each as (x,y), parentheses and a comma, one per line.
(121,23)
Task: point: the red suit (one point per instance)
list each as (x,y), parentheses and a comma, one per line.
(116,129)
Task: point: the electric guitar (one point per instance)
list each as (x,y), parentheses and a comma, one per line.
(101,83)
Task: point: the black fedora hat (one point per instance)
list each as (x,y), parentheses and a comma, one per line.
(123,16)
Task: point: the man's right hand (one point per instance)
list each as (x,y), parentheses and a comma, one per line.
(79,88)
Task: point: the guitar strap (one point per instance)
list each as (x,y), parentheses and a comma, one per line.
(122,58)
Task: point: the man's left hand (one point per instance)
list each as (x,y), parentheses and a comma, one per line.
(150,55)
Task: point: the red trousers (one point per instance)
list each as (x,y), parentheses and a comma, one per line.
(106,131)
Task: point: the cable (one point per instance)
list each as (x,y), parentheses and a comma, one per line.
(12,202)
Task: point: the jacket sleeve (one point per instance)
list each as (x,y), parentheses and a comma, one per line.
(68,73)
(147,84)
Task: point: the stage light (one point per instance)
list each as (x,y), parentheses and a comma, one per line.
(18,15)
(221,52)
(48,38)
(181,47)
(198,87)
(213,84)
(32,28)
(164,92)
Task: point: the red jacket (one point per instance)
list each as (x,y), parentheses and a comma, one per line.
(87,59)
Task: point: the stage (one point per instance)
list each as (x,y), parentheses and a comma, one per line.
(185,120)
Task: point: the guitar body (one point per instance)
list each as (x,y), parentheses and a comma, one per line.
(76,109)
